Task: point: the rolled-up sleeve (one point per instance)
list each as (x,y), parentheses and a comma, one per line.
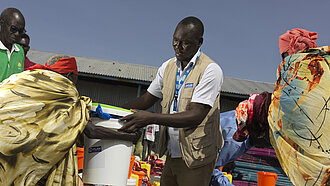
(156,85)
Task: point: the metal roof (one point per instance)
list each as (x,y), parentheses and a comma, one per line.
(245,87)
(102,67)
(143,73)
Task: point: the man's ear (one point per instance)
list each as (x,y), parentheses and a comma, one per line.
(200,41)
(1,23)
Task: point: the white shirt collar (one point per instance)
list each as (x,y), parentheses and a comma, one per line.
(192,60)
(2,47)
(15,47)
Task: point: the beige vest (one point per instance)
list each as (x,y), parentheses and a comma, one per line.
(199,145)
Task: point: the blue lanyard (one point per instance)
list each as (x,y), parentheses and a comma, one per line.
(178,84)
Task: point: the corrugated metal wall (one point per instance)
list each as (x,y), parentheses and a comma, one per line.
(229,103)
(106,93)
(118,93)
(111,92)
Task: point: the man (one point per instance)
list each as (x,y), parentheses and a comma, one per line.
(189,86)
(25,44)
(11,55)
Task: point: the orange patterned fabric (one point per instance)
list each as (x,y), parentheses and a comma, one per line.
(299,118)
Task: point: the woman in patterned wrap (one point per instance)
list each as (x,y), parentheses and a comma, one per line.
(298,114)
(41,118)
(295,118)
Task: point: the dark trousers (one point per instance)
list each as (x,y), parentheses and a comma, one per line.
(176,173)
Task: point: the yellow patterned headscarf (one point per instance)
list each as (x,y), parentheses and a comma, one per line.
(41,116)
(299,117)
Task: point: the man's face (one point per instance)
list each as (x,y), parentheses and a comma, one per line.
(186,42)
(12,28)
(25,44)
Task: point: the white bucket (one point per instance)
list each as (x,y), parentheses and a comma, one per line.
(107,161)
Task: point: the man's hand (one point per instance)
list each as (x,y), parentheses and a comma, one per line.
(192,117)
(132,136)
(137,120)
(98,132)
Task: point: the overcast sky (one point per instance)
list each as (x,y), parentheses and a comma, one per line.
(240,35)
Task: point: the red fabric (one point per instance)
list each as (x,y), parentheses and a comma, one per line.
(244,114)
(251,116)
(250,106)
(297,39)
(259,125)
(62,66)
(241,113)
(28,63)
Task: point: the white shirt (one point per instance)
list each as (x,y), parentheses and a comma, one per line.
(13,48)
(205,92)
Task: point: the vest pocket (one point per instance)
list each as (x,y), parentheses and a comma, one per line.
(201,147)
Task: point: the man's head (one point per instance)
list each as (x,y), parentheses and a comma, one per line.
(12,24)
(25,43)
(51,61)
(187,38)
(65,59)
(62,64)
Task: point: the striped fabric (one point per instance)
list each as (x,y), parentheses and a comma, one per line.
(255,160)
